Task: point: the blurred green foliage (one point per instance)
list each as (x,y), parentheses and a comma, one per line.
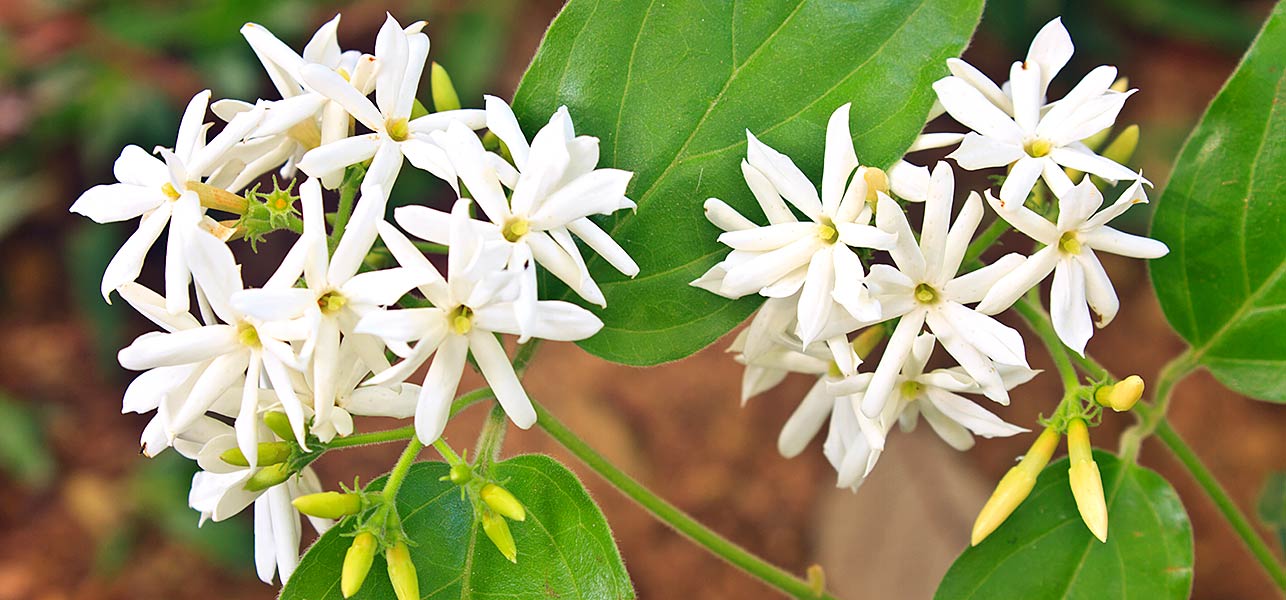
(23,452)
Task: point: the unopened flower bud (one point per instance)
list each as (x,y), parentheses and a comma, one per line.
(357,563)
(866,341)
(816,580)
(498,530)
(1121,84)
(267,477)
(1122,395)
(328,505)
(279,423)
(876,181)
(269,453)
(1086,483)
(1014,486)
(401,572)
(503,502)
(1122,148)
(219,198)
(444,96)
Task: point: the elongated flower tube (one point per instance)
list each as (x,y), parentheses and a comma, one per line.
(1087,484)
(1014,486)
(497,529)
(328,505)
(357,563)
(401,572)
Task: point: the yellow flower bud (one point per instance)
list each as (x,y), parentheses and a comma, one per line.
(501,501)
(328,505)
(269,453)
(401,572)
(1014,486)
(279,423)
(219,198)
(1087,484)
(1121,84)
(267,477)
(357,563)
(1122,148)
(876,181)
(498,530)
(866,341)
(444,96)
(1122,395)
(816,580)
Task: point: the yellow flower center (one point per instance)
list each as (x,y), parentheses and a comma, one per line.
(331,302)
(248,335)
(1068,244)
(911,389)
(170,192)
(826,231)
(515,228)
(1039,147)
(398,129)
(461,319)
(925,294)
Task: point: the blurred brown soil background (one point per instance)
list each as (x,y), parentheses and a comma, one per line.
(87,532)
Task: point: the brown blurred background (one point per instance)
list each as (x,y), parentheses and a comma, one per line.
(83,516)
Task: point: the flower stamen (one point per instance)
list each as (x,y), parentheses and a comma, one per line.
(398,129)
(461,319)
(925,294)
(1068,243)
(515,228)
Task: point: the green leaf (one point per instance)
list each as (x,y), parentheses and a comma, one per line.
(24,455)
(565,548)
(1223,214)
(1044,550)
(670,89)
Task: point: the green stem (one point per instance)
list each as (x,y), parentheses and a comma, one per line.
(347,193)
(403,466)
(1240,524)
(491,438)
(997,228)
(523,357)
(447,453)
(671,515)
(373,437)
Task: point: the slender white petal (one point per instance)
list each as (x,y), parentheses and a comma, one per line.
(806,421)
(439,388)
(1067,305)
(879,391)
(1013,285)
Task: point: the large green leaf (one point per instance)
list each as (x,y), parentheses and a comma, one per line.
(565,548)
(1044,550)
(670,88)
(1223,215)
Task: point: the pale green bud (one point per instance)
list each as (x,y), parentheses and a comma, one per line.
(1086,483)
(357,563)
(444,96)
(503,502)
(328,505)
(269,453)
(401,572)
(267,477)
(497,528)
(1015,486)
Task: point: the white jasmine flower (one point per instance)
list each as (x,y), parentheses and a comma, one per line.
(151,188)
(303,119)
(848,446)
(924,290)
(812,257)
(469,308)
(1037,140)
(231,350)
(401,54)
(335,296)
(556,188)
(1080,282)
(218,492)
(769,366)
(936,395)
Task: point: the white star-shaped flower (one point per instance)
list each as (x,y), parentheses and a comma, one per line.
(555,187)
(1080,282)
(936,395)
(468,309)
(925,290)
(231,350)
(401,54)
(152,188)
(813,257)
(335,296)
